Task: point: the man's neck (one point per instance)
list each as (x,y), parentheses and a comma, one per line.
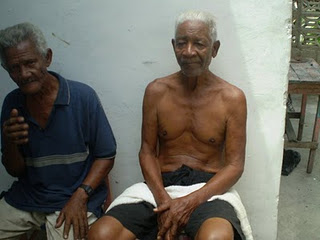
(197,82)
(48,92)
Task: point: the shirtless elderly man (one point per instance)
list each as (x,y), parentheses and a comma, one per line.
(198,121)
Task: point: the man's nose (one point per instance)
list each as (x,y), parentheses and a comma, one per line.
(189,50)
(24,72)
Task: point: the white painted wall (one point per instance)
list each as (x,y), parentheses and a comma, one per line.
(118,46)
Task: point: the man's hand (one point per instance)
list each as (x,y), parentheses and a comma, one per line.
(173,216)
(75,213)
(15,130)
(166,229)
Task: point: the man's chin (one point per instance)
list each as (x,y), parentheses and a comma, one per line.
(29,89)
(191,74)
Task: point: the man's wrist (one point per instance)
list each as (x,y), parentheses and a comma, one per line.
(162,198)
(87,188)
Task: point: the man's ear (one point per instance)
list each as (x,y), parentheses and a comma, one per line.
(4,66)
(48,57)
(215,48)
(173,42)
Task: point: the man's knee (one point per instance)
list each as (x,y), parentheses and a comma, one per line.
(215,229)
(99,231)
(109,228)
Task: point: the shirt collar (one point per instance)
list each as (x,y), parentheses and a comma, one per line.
(63,97)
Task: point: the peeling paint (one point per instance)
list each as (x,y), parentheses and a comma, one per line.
(149,62)
(60,39)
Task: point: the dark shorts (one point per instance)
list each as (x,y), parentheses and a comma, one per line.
(140,219)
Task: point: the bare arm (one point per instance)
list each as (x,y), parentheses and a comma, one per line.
(148,154)
(75,211)
(15,133)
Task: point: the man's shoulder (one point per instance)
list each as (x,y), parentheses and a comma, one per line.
(14,93)
(162,85)
(81,91)
(15,96)
(13,99)
(233,98)
(79,86)
(229,91)
(72,85)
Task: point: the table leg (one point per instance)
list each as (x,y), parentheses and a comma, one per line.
(315,137)
(302,116)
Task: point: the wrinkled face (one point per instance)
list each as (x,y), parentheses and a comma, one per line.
(26,66)
(193,48)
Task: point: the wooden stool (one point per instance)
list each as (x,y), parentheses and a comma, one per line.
(304,78)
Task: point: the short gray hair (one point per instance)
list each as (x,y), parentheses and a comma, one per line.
(195,15)
(14,35)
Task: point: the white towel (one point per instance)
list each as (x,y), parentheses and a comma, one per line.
(140,192)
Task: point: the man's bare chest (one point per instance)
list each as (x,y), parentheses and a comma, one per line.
(205,121)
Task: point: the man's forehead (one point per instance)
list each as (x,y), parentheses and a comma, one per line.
(25,46)
(23,51)
(192,27)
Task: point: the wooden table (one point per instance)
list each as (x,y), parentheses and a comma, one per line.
(304,78)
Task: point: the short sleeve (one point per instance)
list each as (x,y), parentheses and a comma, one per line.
(102,142)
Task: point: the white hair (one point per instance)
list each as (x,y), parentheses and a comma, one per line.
(14,35)
(195,15)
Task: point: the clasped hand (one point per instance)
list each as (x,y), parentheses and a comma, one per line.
(173,215)
(15,130)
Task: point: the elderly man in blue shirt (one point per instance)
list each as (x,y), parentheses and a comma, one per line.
(56,139)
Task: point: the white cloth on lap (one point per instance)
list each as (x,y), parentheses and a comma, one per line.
(140,192)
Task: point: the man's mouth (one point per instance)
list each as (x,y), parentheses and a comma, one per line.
(25,82)
(189,62)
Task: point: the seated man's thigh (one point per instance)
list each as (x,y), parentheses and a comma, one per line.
(217,210)
(54,233)
(15,222)
(138,218)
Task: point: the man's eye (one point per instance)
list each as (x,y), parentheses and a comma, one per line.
(180,44)
(31,63)
(199,44)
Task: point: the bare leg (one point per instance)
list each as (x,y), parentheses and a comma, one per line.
(215,229)
(109,228)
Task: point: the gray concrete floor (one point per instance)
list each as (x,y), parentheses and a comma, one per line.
(299,200)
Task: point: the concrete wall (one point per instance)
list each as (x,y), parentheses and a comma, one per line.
(118,46)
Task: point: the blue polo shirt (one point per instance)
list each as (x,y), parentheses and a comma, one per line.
(59,157)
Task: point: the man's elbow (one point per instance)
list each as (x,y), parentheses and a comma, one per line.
(110,165)
(142,157)
(239,170)
(15,172)
(105,164)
